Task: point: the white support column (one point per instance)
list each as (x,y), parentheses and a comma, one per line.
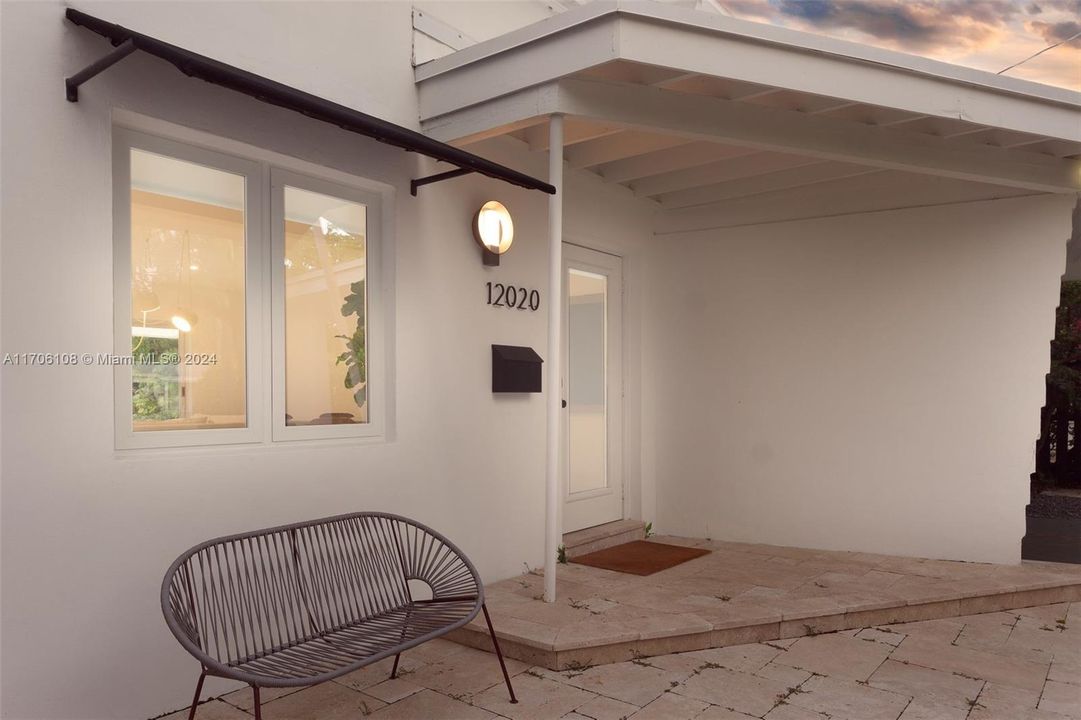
(553,476)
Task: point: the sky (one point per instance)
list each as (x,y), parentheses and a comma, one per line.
(984,34)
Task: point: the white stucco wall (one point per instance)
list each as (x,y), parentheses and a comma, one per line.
(87,532)
(869,382)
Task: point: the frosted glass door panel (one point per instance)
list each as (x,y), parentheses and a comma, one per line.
(586,380)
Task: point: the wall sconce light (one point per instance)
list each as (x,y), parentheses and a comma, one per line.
(493,230)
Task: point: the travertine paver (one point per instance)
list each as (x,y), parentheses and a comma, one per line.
(937,688)
(328,701)
(839,697)
(742,592)
(602,708)
(538,698)
(671,705)
(836,655)
(1060,697)
(1015,665)
(633,683)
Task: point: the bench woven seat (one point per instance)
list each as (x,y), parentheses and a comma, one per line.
(302,604)
(345,647)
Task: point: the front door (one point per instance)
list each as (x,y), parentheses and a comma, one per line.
(592,387)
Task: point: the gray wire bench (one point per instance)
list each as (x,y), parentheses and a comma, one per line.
(302,604)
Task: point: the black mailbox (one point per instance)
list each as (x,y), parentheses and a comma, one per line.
(515,369)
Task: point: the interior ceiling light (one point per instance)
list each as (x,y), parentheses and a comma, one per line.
(183,320)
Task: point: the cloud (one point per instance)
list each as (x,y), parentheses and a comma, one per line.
(987,34)
(918,24)
(1058,32)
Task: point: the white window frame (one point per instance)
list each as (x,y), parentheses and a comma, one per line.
(373,261)
(265,173)
(124,141)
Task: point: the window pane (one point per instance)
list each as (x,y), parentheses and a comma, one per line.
(326,371)
(187,295)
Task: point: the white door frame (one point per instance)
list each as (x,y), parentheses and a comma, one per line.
(596,507)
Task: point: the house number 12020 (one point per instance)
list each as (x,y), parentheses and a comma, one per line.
(513,296)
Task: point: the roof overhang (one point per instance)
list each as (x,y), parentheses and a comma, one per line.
(270,91)
(652,93)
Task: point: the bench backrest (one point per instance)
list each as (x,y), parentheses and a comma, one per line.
(241,597)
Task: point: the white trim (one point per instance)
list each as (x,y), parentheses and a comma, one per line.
(687,41)
(431,26)
(373,242)
(124,140)
(749,32)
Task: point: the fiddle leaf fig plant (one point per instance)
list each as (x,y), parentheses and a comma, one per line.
(356,369)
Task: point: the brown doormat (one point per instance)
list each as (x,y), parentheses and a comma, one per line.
(640,557)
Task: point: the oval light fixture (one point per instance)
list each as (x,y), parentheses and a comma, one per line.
(493,229)
(183,320)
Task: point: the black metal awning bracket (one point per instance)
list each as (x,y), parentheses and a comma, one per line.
(415,185)
(71,84)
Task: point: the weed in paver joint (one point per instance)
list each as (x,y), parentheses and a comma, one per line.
(579,605)
(706,666)
(575,668)
(639,659)
(561,555)
(973,703)
(782,698)
(723,598)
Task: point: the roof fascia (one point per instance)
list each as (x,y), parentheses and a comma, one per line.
(695,42)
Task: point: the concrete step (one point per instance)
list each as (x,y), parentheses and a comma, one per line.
(583,542)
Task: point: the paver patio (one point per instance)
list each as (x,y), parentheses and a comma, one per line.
(743,593)
(1012,665)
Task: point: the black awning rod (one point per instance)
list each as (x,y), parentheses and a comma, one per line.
(276,93)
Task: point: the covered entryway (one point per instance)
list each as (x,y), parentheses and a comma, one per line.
(843,238)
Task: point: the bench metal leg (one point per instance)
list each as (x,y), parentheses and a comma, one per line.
(394,670)
(255,695)
(498,652)
(198,690)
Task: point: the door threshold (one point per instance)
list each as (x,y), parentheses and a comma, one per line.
(583,542)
